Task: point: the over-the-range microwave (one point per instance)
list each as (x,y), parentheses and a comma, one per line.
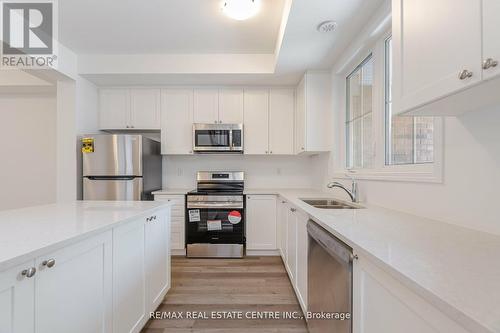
(218,138)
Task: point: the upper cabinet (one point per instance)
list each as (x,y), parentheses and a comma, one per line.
(206,106)
(313,123)
(269,121)
(137,109)
(177,121)
(218,106)
(231,106)
(255,130)
(442,63)
(281,121)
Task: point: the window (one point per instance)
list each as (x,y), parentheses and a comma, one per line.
(359,116)
(408,140)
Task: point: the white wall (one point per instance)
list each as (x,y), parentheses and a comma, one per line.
(469,195)
(260,171)
(28,162)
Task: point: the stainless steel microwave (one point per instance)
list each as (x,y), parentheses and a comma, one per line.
(218,138)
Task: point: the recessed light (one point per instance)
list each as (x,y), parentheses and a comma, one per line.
(240,9)
(327,26)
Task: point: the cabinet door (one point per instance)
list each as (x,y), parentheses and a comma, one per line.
(177,219)
(145,109)
(302,243)
(177,121)
(114,109)
(231,106)
(382,304)
(491,42)
(261,222)
(206,106)
(129,309)
(256,123)
(431,48)
(157,234)
(281,121)
(300,117)
(283,209)
(17,300)
(74,294)
(291,242)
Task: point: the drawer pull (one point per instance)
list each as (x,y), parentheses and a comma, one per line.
(30,272)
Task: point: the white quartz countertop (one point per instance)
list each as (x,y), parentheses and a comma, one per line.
(454,268)
(28,232)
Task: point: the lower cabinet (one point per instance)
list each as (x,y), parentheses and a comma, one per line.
(302,247)
(261,222)
(105,283)
(17,303)
(291,245)
(177,231)
(381,304)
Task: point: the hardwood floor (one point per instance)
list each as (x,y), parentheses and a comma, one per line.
(245,286)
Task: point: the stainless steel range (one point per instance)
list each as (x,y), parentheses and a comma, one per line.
(215,216)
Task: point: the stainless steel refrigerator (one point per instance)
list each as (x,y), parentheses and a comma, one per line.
(120,167)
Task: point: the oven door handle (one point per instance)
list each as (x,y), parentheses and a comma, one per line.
(214,205)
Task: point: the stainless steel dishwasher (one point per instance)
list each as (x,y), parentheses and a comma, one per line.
(329,281)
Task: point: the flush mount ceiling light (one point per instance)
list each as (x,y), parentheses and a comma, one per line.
(326,26)
(240,9)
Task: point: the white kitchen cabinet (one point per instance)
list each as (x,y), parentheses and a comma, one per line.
(302,248)
(381,304)
(177,121)
(206,105)
(157,254)
(281,121)
(145,109)
(291,242)
(313,124)
(441,73)
(129,280)
(137,109)
(491,44)
(177,231)
(17,301)
(256,105)
(283,223)
(73,288)
(231,106)
(261,222)
(114,108)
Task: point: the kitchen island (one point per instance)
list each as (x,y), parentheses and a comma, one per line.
(92,266)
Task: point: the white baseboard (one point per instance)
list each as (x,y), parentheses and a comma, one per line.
(263,253)
(178,252)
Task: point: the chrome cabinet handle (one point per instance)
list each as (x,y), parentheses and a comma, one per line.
(30,272)
(49,263)
(465,74)
(293,210)
(489,63)
(283,202)
(151,218)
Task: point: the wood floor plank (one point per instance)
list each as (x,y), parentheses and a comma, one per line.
(240,286)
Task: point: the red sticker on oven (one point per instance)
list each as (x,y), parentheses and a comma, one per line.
(234,217)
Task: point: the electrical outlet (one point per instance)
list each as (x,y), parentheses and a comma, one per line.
(179,172)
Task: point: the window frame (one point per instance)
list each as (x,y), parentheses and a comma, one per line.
(424,172)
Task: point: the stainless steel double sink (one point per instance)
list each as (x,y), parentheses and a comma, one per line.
(330,204)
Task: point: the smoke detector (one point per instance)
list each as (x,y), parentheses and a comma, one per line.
(327,26)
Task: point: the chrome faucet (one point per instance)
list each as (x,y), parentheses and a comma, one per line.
(353,193)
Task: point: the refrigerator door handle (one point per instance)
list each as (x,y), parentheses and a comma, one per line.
(111,177)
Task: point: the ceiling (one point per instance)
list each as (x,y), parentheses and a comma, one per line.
(165,26)
(187,28)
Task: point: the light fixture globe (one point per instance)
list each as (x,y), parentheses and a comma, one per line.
(240,9)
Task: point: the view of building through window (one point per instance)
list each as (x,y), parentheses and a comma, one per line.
(409,140)
(359,117)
